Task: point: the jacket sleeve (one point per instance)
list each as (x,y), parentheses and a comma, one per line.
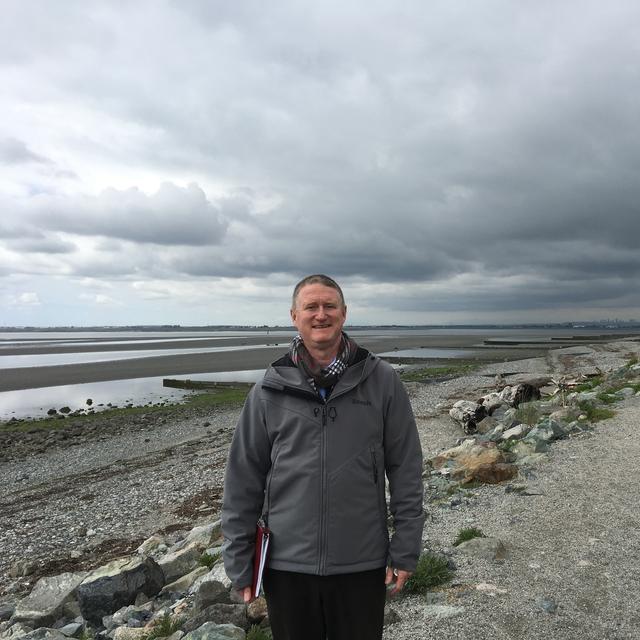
(247,468)
(403,466)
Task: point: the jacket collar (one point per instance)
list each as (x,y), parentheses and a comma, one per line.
(284,375)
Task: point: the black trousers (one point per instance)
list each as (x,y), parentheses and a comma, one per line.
(309,607)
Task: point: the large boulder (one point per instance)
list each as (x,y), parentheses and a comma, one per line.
(470,462)
(116,585)
(46,602)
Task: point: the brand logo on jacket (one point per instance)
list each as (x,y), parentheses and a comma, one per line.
(367,403)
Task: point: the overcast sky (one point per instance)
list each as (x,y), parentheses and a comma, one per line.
(188,161)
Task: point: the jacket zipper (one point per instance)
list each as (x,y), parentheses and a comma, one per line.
(374,464)
(382,501)
(267,505)
(323,489)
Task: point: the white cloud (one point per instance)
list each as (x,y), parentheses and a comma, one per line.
(25,299)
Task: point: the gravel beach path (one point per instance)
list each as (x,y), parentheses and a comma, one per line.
(573,547)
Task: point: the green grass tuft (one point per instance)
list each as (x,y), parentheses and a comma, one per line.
(527,413)
(432,570)
(589,385)
(595,414)
(164,627)
(208,559)
(606,398)
(258,633)
(468,533)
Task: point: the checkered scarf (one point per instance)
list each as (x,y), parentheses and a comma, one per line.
(317,376)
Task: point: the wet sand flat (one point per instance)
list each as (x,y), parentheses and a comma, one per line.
(13,379)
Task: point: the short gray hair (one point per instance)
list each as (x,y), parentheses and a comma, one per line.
(316,278)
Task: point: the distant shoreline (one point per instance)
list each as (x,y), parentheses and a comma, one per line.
(606,326)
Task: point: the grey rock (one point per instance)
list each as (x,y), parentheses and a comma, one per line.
(16,631)
(124,615)
(257,610)
(556,427)
(218,573)
(390,616)
(6,610)
(72,630)
(626,392)
(486,425)
(44,605)
(205,534)
(22,568)
(486,548)
(44,634)
(235,614)
(117,584)
(548,605)
(514,433)
(442,611)
(129,633)
(509,419)
(182,584)
(540,434)
(180,562)
(150,545)
(210,592)
(212,631)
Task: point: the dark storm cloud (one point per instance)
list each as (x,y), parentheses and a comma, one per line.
(172,216)
(490,152)
(14,151)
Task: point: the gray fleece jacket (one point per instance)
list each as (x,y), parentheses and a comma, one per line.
(316,471)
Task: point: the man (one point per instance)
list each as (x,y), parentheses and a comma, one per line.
(310,452)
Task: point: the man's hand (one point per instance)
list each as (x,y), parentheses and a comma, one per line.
(397,577)
(245,594)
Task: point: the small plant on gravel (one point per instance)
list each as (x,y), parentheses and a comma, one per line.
(606,398)
(164,627)
(468,533)
(258,633)
(527,413)
(595,414)
(432,570)
(208,559)
(429,373)
(589,385)
(87,634)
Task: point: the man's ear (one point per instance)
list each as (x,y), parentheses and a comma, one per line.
(294,315)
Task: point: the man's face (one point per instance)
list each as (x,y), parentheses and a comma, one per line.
(319,315)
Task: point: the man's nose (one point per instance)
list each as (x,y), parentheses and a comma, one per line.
(321,311)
